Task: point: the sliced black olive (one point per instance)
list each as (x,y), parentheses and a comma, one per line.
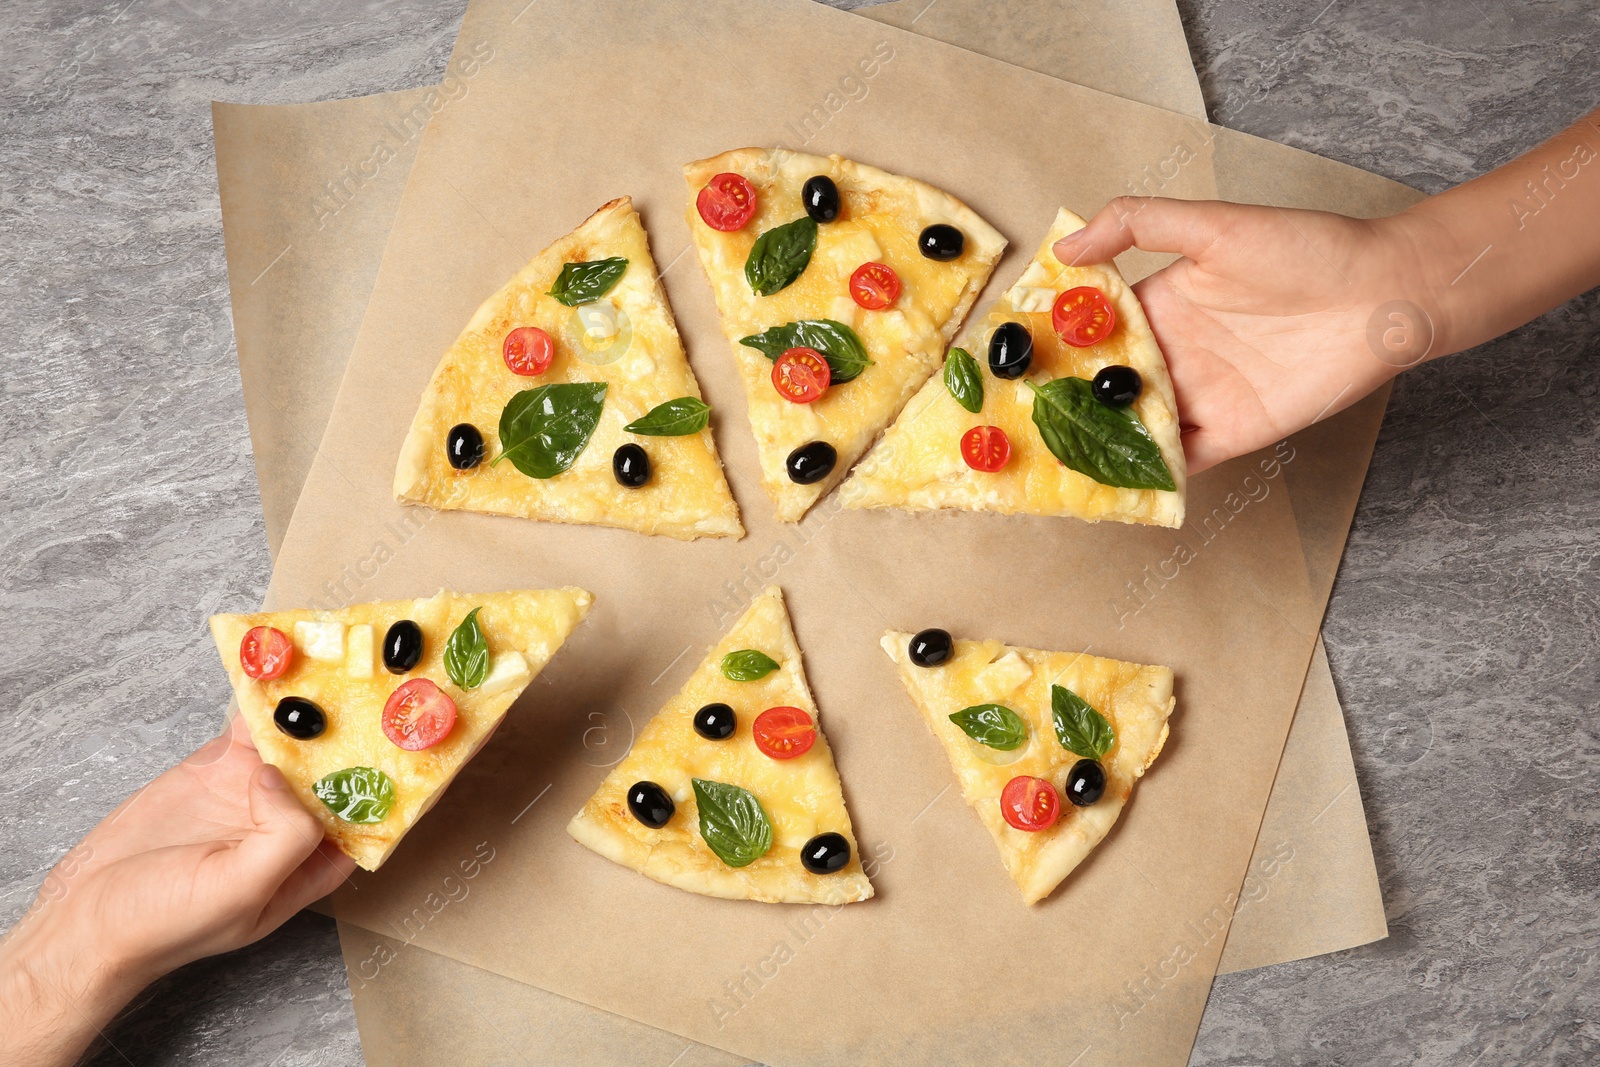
(941,241)
(1010,350)
(650,804)
(931,647)
(300,718)
(821,198)
(631,465)
(811,463)
(402,647)
(1085,782)
(1116,386)
(825,854)
(463,446)
(715,722)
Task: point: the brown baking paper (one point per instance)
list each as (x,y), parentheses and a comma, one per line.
(934,951)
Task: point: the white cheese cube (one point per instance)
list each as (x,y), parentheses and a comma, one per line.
(640,366)
(507,670)
(1036,275)
(320,640)
(1004,675)
(848,250)
(358,649)
(1028,298)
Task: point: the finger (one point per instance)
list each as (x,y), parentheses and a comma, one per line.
(1153,223)
(283,833)
(325,870)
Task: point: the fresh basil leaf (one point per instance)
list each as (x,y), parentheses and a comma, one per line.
(544,430)
(357,794)
(466,653)
(732,822)
(780,255)
(747,665)
(1079,728)
(580,283)
(961,377)
(1108,444)
(675,418)
(994,725)
(838,343)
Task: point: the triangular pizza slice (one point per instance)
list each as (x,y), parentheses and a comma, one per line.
(1047,746)
(568,398)
(1057,402)
(370,710)
(731,790)
(864,275)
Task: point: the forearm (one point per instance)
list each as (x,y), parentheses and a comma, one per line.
(56,995)
(1504,248)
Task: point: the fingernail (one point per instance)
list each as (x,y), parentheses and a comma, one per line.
(272,778)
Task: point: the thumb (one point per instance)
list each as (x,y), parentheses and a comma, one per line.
(284,833)
(1153,223)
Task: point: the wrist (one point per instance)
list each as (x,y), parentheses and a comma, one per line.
(1427,256)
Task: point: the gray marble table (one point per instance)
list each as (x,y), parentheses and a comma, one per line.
(1462,631)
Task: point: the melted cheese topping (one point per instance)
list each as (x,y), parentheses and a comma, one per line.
(626,339)
(881,218)
(802,796)
(1136,699)
(918,464)
(523,629)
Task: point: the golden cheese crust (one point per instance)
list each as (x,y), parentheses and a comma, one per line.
(523,629)
(883,216)
(801,796)
(626,339)
(918,465)
(1136,699)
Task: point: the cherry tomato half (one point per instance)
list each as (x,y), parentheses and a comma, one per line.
(784,732)
(986,448)
(528,351)
(727,202)
(874,286)
(265,653)
(418,715)
(801,375)
(1030,804)
(1083,316)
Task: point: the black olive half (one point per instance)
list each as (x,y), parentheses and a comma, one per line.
(402,647)
(463,446)
(811,463)
(715,722)
(300,718)
(631,465)
(931,647)
(825,854)
(1116,386)
(942,242)
(1085,782)
(650,804)
(1010,350)
(821,198)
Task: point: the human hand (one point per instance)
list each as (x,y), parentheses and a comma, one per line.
(1265,321)
(210,856)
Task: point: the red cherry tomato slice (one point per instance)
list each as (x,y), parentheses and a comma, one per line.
(727,202)
(986,448)
(418,715)
(801,375)
(265,653)
(1030,804)
(528,351)
(874,286)
(784,732)
(1083,316)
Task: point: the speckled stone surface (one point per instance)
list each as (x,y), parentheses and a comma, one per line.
(1462,632)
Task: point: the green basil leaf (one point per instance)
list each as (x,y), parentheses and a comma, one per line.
(747,665)
(1108,444)
(780,255)
(544,430)
(961,377)
(580,283)
(994,725)
(675,418)
(732,822)
(357,794)
(466,653)
(1079,728)
(838,343)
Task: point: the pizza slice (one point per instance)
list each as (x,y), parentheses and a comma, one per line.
(1047,746)
(1056,403)
(840,286)
(730,790)
(568,398)
(370,710)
